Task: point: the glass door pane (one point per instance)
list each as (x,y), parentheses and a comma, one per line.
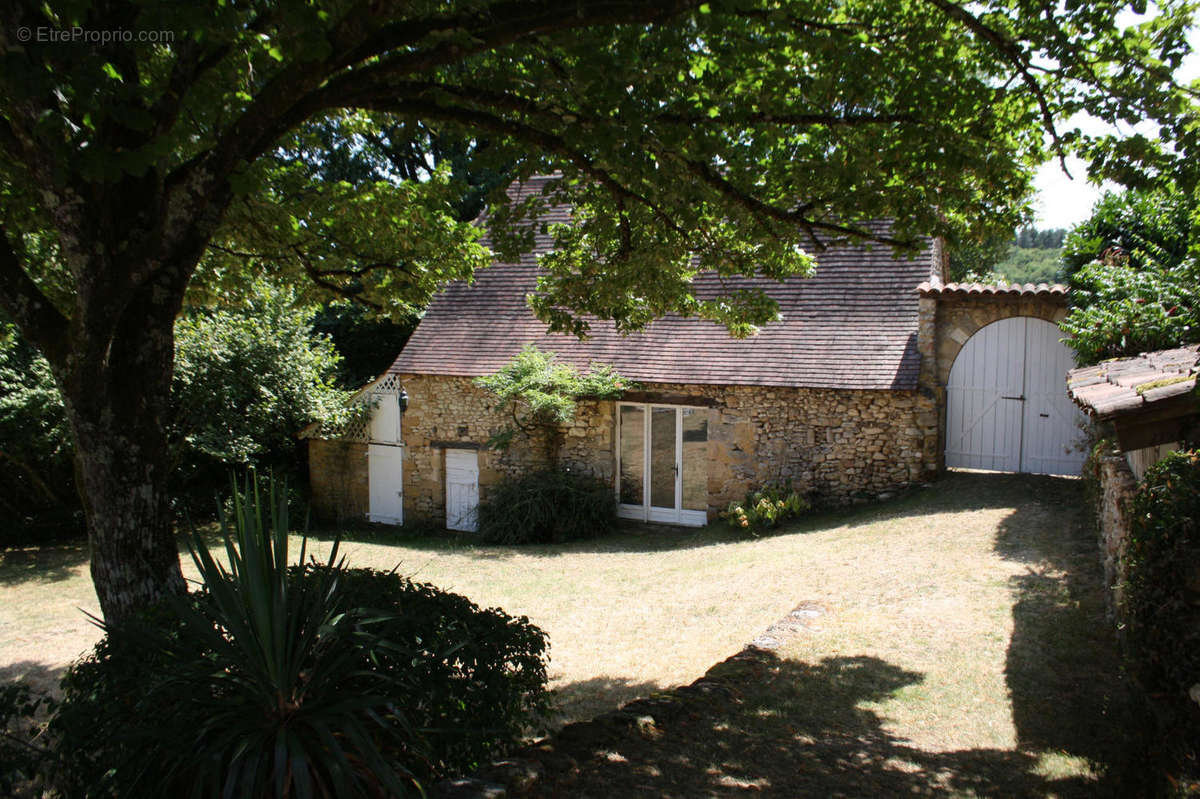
(695,459)
(633,454)
(662,457)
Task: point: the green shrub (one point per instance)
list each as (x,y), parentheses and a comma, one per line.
(37,473)
(275,680)
(1162,605)
(106,712)
(541,393)
(246,380)
(1118,311)
(479,675)
(765,508)
(547,506)
(1132,276)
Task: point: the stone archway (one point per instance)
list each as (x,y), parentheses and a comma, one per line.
(952,313)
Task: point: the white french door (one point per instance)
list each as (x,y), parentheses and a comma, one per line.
(662,463)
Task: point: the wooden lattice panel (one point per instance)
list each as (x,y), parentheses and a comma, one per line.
(358,427)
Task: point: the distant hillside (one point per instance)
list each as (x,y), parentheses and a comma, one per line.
(1032,256)
(1031,264)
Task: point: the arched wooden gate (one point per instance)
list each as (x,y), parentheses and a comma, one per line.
(1006,401)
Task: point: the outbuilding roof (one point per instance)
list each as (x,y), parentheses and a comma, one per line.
(853,325)
(1132,385)
(1051,291)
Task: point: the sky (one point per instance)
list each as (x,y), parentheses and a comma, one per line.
(1063,202)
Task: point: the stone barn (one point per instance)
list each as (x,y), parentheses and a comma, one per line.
(877,375)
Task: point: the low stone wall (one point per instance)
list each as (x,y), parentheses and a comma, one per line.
(1116,489)
(337,472)
(833,443)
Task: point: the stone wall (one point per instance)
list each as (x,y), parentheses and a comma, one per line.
(834,444)
(451,412)
(337,472)
(1117,486)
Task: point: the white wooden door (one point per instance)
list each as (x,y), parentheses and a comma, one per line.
(462,490)
(1052,432)
(385,478)
(385,417)
(983,399)
(1006,401)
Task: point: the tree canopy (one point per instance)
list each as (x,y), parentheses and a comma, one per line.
(168,148)
(540,393)
(1145,229)
(735,131)
(246,379)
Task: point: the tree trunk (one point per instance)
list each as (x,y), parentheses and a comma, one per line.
(118,401)
(122,475)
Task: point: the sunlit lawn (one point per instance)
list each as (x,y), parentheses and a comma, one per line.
(976,603)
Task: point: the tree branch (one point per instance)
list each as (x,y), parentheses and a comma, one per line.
(184,75)
(507,22)
(9,140)
(550,142)
(499,100)
(769,118)
(39,321)
(795,216)
(38,483)
(1012,53)
(318,277)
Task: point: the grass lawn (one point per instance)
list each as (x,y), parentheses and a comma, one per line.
(962,641)
(963,652)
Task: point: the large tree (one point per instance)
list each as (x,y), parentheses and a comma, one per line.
(145,146)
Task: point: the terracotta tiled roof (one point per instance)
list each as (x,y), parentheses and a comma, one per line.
(1127,385)
(1040,290)
(853,326)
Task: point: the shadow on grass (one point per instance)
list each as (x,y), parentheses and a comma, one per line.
(1063,668)
(954,492)
(38,676)
(585,699)
(780,728)
(48,564)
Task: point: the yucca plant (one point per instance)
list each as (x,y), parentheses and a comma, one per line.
(283,701)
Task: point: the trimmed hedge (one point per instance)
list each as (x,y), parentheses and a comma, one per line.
(481,674)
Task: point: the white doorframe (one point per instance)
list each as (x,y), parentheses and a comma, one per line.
(647,512)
